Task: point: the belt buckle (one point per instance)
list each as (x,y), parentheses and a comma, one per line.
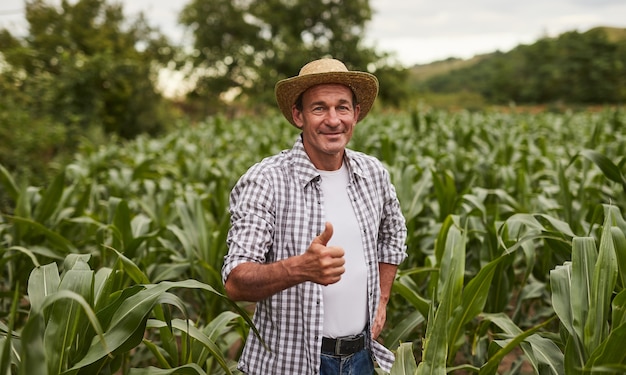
(338,346)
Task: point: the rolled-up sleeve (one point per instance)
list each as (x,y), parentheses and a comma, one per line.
(252,222)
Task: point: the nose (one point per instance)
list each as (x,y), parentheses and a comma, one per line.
(333,118)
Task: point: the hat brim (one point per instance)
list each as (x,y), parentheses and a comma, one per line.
(364,85)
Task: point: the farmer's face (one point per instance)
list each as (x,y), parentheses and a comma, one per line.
(327,119)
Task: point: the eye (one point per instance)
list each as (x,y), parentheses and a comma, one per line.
(318,109)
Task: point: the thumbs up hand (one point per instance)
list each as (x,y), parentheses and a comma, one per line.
(321,263)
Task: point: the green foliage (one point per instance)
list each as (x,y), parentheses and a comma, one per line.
(493,203)
(586,299)
(575,68)
(87,322)
(83,68)
(244,48)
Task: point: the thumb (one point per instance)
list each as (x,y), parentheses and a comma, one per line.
(326,234)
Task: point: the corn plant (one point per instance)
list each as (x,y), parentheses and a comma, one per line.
(86,322)
(590,302)
(453,306)
(507,192)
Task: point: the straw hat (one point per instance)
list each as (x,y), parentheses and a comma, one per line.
(364,85)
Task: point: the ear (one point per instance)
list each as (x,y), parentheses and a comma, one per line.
(297,116)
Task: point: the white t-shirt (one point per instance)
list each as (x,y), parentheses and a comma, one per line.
(345,302)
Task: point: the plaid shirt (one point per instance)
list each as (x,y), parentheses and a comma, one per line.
(277,208)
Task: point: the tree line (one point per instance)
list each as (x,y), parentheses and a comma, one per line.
(573,68)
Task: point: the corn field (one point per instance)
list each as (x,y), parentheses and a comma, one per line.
(516,243)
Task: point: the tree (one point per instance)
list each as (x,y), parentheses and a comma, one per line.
(86,65)
(243,47)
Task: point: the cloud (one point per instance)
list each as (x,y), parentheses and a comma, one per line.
(423,31)
(420,31)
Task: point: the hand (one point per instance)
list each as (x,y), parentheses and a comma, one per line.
(379,320)
(324,264)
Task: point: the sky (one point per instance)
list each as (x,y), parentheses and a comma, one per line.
(421,31)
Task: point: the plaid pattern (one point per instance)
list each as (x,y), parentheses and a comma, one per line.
(276,210)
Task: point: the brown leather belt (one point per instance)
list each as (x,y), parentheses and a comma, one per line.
(343,346)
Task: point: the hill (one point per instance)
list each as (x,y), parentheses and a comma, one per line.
(574,67)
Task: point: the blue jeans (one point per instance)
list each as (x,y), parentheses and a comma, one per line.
(359,363)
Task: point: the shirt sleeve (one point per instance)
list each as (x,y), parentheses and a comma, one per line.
(392,231)
(252,217)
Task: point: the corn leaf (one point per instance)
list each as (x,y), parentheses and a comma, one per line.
(51,199)
(603,283)
(407,288)
(405,361)
(584,259)
(60,243)
(401,331)
(437,339)
(8,183)
(33,359)
(610,351)
(202,338)
(43,281)
(619,241)
(618,313)
(66,319)
(610,170)
(541,350)
(473,301)
(130,318)
(188,369)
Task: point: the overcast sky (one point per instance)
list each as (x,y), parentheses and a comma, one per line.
(421,31)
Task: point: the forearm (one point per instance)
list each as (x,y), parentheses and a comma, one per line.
(387,273)
(319,264)
(254,282)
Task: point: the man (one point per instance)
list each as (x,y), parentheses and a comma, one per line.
(316,235)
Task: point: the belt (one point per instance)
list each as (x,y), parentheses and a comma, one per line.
(343,346)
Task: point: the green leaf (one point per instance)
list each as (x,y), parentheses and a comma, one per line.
(42,282)
(51,199)
(53,237)
(407,288)
(200,337)
(405,361)
(604,280)
(619,241)
(618,314)
(33,351)
(65,320)
(610,170)
(9,183)
(121,220)
(473,301)
(6,345)
(188,369)
(543,350)
(584,258)
(610,351)
(401,330)
(129,319)
(437,340)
